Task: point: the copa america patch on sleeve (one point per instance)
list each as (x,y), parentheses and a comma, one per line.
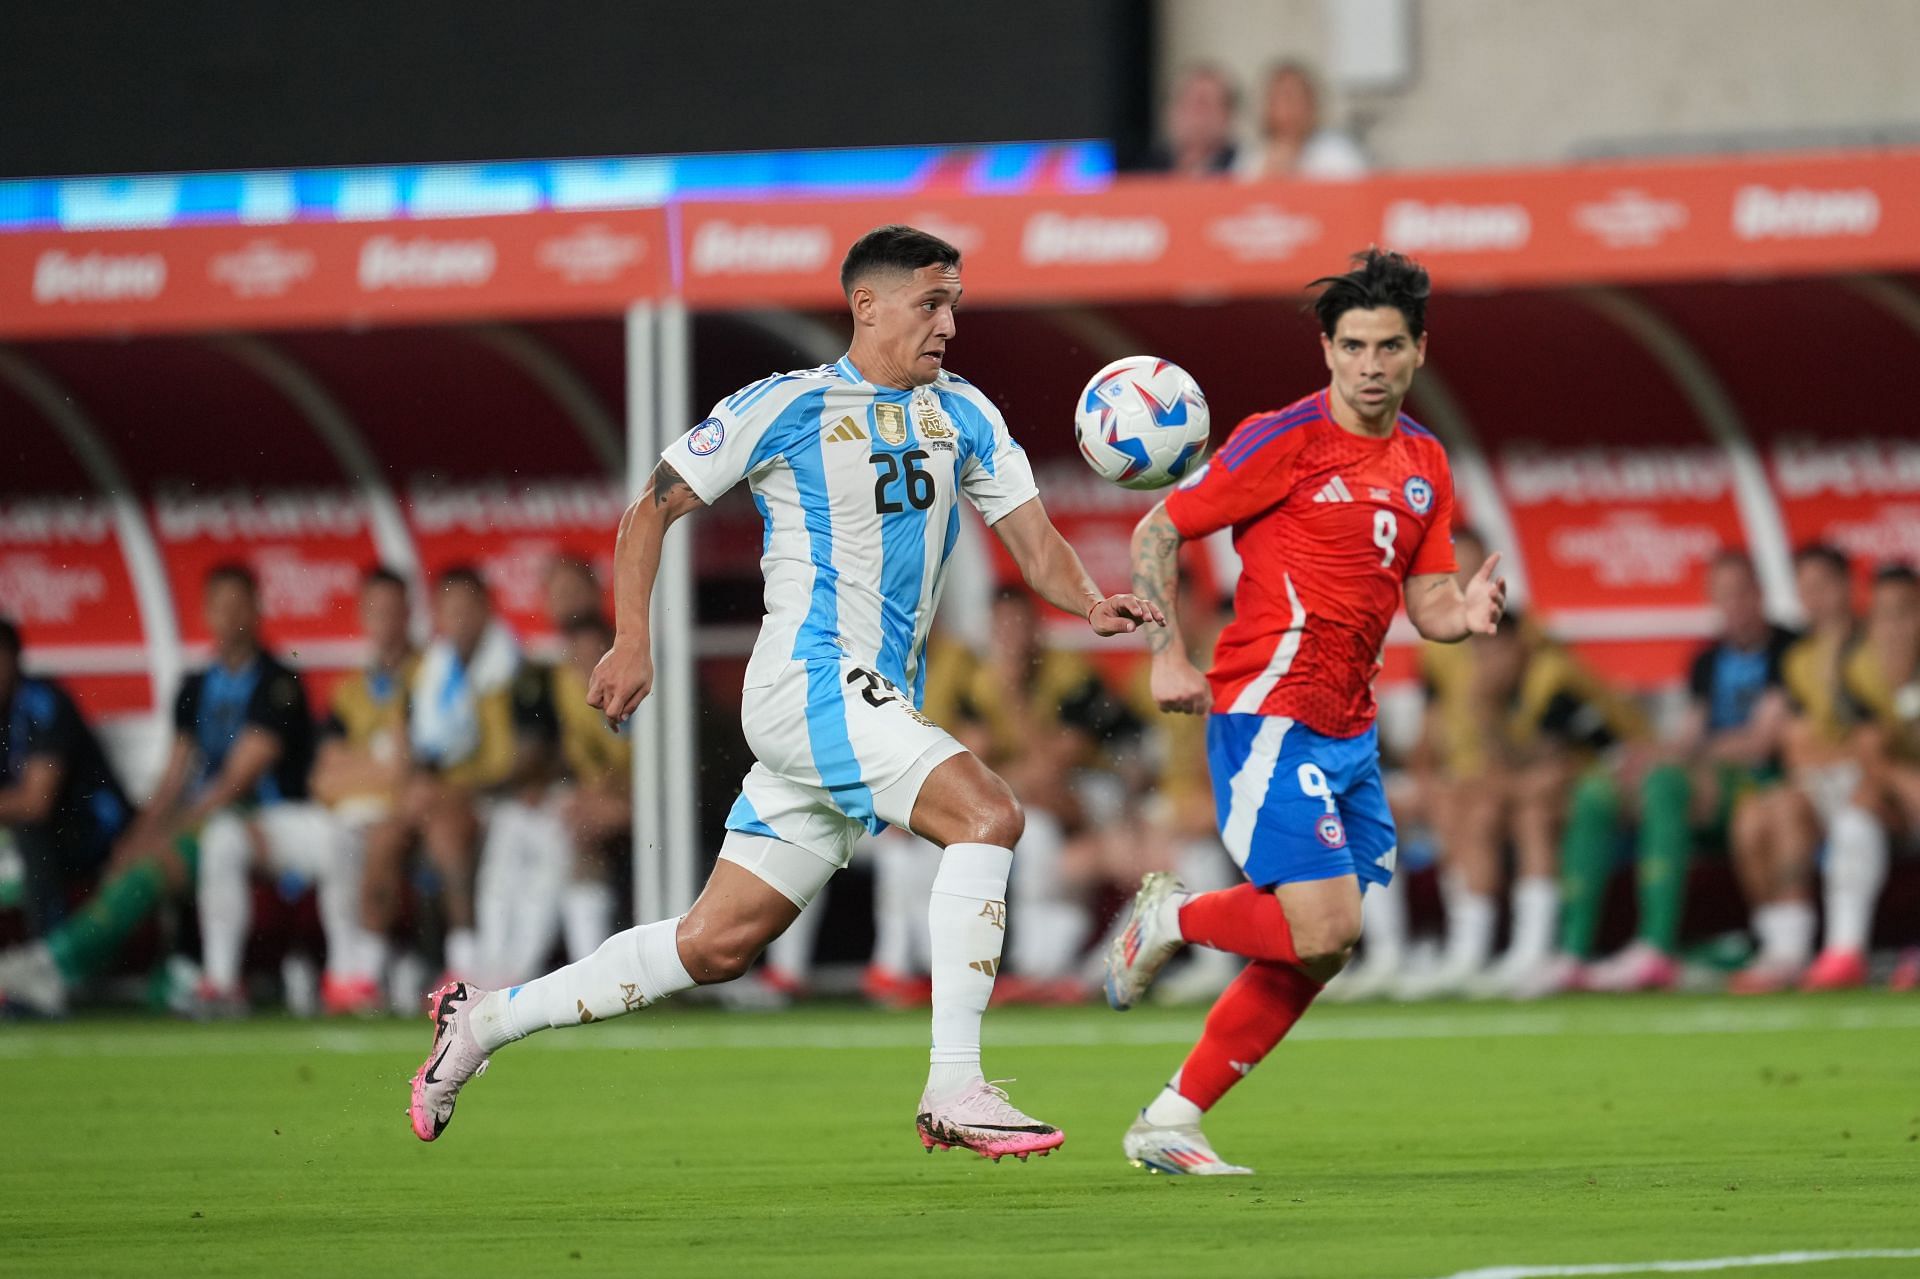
(706,437)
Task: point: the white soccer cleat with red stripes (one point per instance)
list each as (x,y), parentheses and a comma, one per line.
(1182,1150)
(1149,938)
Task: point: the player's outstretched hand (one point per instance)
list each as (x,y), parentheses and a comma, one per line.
(1177,684)
(621,681)
(1486,598)
(1121,614)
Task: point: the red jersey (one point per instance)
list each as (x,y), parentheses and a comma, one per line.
(1329,525)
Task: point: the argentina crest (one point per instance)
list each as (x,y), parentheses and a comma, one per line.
(932,421)
(890,422)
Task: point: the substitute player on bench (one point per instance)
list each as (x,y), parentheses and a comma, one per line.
(1336,503)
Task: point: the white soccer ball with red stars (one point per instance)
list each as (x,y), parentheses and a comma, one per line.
(1142,422)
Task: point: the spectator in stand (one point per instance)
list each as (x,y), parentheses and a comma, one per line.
(1778,829)
(60,805)
(1728,743)
(1881,687)
(360,772)
(1293,142)
(1197,130)
(461,744)
(546,865)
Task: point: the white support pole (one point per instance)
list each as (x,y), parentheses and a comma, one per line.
(643,375)
(675,621)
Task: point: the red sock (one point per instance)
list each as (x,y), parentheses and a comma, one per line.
(1242,920)
(1250,1017)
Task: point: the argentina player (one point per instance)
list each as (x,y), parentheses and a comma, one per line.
(856,468)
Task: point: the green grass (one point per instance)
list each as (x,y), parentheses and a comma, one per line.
(1402,1143)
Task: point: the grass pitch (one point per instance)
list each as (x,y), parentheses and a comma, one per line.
(1405,1143)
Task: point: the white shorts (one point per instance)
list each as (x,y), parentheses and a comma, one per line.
(840,752)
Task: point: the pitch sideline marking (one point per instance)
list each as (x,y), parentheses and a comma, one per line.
(1685,1267)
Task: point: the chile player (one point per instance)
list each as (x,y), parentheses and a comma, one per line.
(1336,503)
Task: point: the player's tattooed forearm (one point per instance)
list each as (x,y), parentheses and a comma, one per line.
(1155,551)
(665,480)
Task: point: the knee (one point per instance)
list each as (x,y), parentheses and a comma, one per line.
(722,951)
(1325,941)
(997,818)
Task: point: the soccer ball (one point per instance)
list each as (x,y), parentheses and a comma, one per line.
(1142,422)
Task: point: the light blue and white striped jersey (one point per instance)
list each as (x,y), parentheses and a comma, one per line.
(857,486)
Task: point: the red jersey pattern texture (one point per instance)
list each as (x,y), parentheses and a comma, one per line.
(1328,525)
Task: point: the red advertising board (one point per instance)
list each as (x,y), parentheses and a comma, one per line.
(175,279)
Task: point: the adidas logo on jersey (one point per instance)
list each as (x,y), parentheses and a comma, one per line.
(844,431)
(1334,491)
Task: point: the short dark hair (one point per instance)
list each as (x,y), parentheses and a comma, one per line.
(1895,574)
(1379,278)
(894,248)
(237,573)
(463,575)
(9,638)
(1208,69)
(1823,553)
(581,623)
(1734,557)
(381,575)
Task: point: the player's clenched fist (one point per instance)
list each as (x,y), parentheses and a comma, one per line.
(1121,614)
(1177,684)
(621,681)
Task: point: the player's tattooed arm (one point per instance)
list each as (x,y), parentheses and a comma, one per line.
(1156,550)
(1176,683)
(665,481)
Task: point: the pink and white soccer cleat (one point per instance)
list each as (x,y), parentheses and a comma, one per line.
(982,1120)
(1181,1149)
(1836,969)
(456,1058)
(1149,938)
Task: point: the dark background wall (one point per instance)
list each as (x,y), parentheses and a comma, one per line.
(90,86)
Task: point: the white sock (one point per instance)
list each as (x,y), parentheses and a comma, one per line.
(1856,869)
(1536,917)
(1383,913)
(226,899)
(630,971)
(1796,928)
(1470,921)
(893,906)
(463,951)
(1169,1109)
(587,913)
(967,917)
(375,950)
(1053,923)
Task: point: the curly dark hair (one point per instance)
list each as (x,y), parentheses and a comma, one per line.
(1380,277)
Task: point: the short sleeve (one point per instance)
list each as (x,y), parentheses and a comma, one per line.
(53,723)
(1245,477)
(1700,675)
(1435,554)
(278,704)
(186,706)
(734,439)
(995,475)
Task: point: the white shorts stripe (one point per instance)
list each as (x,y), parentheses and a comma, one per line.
(1247,793)
(1254,694)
